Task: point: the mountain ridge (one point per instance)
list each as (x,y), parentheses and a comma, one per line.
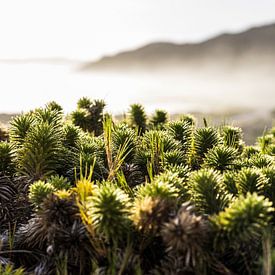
(227,48)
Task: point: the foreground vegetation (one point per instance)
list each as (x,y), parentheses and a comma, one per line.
(82,194)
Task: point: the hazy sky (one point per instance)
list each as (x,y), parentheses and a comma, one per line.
(85,29)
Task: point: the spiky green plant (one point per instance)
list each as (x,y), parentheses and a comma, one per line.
(84,103)
(181,131)
(89,115)
(38,191)
(221,158)
(152,148)
(109,210)
(40,154)
(205,139)
(264,142)
(91,149)
(123,135)
(19,127)
(244,220)
(269,192)
(59,182)
(229,179)
(232,136)
(79,118)
(182,171)
(249,151)
(188,118)
(53,105)
(174,157)
(159,119)
(96,114)
(9,270)
(154,202)
(207,191)
(114,162)
(48,115)
(261,161)
(251,180)
(72,135)
(138,117)
(7,162)
(162,186)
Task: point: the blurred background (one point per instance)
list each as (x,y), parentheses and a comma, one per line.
(214,58)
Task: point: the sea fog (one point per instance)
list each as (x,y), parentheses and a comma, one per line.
(24,86)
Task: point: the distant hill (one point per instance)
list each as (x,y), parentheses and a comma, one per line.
(256,46)
(6,118)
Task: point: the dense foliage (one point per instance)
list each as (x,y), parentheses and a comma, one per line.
(83,194)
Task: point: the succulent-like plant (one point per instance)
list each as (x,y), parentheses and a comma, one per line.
(251,180)
(10,270)
(159,119)
(174,157)
(261,161)
(138,117)
(48,115)
(123,135)
(249,151)
(269,192)
(109,211)
(53,105)
(89,115)
(182,170)
(40,154)
(151,150)
(7,163)
(84,103)
(79,118)
(72,135)
(181,131)
(59,182)
(205,139)
(229,179)
(244,220)
(264,142)
(92,154)
(188,118)
(161,187)
(58,212)
(232,136)
(20,126)
(38,191)
(207,191)
(221,158)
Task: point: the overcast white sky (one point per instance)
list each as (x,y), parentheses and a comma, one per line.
(87,29)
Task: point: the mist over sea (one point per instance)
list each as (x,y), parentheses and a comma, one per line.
(24,86)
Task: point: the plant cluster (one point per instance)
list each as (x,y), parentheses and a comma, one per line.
(83,194)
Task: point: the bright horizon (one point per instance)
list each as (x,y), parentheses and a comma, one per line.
(87,29)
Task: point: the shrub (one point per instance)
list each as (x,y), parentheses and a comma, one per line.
(159,118)
(7,164)
(221,158)
(38,191)
(138,118)
(207,191)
